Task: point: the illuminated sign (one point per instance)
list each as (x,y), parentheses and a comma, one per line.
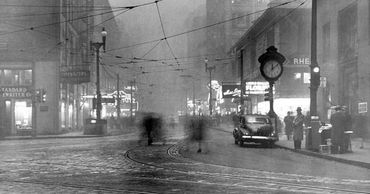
(15,92)
(230,91)
(301,61)
(256,87)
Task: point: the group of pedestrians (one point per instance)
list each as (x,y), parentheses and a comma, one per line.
(342,122)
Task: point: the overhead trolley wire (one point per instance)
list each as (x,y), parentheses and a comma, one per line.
(164,33)
(74,19)
(203,27)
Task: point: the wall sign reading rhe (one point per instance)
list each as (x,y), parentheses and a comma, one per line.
(15,92)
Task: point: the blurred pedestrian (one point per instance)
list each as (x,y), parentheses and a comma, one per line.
(288,121)
(298,128)
(235,119)
(152,127)
(197,127)
(338,122)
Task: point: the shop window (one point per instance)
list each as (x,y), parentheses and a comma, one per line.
(23,114)
(15,77)
(25,77)
(7,78)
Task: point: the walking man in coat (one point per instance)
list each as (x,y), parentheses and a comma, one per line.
(288,121)
(338,121)
(298,128)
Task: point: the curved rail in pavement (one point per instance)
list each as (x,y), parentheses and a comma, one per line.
(268,182)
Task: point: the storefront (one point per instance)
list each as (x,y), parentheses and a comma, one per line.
(15,101)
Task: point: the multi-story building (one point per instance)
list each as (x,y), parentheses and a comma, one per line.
(229,20)
(286,28)
(343,44)
(29,46)
(49,52)
(81,24)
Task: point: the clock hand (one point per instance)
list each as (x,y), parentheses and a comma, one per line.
(273,67)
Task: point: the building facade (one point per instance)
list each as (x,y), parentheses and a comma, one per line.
(343,45)
(236,17)
(288,30)
(29,61)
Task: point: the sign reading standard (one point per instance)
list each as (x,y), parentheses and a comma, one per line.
(15,92)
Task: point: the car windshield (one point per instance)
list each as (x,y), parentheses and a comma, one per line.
(258,120)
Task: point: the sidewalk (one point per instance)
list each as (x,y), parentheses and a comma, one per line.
(71,134)
(358,157)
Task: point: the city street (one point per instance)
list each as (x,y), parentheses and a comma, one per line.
(118,164)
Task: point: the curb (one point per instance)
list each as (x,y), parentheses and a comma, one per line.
(327,157)
(318,155)
(51,137)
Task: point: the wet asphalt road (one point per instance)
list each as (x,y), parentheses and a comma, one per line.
(117,164)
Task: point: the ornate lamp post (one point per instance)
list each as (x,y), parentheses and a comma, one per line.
(97,46)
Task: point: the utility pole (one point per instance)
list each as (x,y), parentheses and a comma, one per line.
(210,69)
(314,141)
(118,99)
(314,83)
(97,46)
(242,85)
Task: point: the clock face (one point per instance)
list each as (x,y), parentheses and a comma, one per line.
(272,69)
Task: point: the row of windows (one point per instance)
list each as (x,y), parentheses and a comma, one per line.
(15,77)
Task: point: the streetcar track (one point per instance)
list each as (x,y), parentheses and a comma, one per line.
(75,186)
(252,179)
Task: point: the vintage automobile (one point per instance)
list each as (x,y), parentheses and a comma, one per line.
(255,128)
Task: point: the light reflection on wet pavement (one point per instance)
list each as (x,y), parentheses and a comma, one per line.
(119,165)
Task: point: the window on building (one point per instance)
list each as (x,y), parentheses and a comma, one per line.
(11,77)
(7,77)
(326,42)
(347,29)
(25,77)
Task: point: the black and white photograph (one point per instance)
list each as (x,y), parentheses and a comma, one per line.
(184,96)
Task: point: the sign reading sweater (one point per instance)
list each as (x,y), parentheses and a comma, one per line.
(75,74)
(15,92)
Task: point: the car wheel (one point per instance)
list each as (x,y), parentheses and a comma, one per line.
(241,143)
(268,144)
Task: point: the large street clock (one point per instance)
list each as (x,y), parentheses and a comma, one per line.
(272,70)
(271,64)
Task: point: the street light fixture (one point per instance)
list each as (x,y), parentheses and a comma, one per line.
(97,46)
